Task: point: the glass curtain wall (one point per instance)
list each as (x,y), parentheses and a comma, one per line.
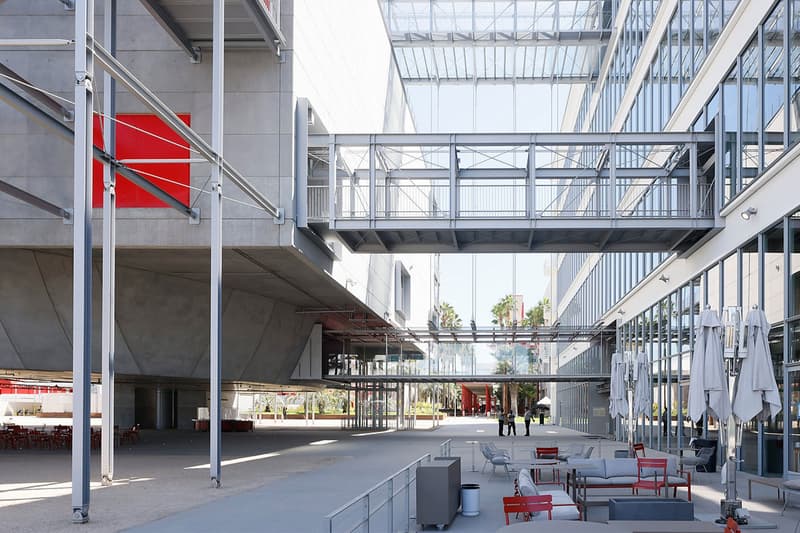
(754,274)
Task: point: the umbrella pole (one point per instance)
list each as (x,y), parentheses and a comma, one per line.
(631,452)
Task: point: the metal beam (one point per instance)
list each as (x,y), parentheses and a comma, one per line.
(26,86)
(519,80)
(82,261)
(140,91)
(66,133)
(267,26)
(217,176)
(108,330)
(33,200)
(512,139)
(172,28)
(471,378)
(588,38)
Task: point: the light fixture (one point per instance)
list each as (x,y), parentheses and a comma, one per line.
(747,213)
(621,311)
(664,278)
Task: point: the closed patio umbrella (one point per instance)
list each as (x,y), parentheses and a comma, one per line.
(618,404)
(708,386)
(642,402)
(757,392)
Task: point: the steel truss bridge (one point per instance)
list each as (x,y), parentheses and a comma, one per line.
(540,192)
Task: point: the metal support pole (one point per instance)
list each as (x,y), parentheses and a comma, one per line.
(693,180)
(109,252)
(217,130)
(453,182)
(82,261)
(531,181)
(612,180)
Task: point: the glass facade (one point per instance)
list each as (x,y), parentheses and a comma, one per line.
(754,110)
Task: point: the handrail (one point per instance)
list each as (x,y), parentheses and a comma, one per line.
(444,448)
(364,497)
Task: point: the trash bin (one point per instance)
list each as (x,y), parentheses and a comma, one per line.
(470,499)
(711,466)
(541,419)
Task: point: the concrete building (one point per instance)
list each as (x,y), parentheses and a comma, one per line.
(278,279)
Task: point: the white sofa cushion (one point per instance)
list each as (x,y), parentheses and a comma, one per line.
(589,467)
(526,485)
(565,512)
(620,467)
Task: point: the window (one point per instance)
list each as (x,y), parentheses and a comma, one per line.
(402,291)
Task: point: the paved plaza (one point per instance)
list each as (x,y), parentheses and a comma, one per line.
(285,478)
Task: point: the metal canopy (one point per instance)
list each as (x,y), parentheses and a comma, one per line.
(252,23)
(487,378)
(491,335)
(477,40)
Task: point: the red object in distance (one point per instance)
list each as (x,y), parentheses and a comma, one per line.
(135,144)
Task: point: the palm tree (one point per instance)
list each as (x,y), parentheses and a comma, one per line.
(536,314)
(503,311)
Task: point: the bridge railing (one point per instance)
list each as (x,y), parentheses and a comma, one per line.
(520,176)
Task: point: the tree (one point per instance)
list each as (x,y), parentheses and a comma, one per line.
(449,318)
(536,314)
(503,311)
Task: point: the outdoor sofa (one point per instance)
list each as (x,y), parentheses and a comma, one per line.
(623,474)
(563,506)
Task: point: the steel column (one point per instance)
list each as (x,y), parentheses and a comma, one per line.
(612,180)
(109,252)
(332,192)
(788,250)
(693,180)
(453,179)
(372,195)
(532,181)
(217,131)
(82,260)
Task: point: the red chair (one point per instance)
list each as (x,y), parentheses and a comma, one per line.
(638,447)
(655,475)
(130,435)
(527,505)
(547,453)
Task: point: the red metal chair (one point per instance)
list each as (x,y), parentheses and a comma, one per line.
(527,505)
(547,453)
(638,447)
(655,475)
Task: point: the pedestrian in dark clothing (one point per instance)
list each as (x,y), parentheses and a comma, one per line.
(500,423)
(512,425)
(665,421)
(528,416)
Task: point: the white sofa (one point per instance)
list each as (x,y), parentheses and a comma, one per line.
(622,473)
(563,506)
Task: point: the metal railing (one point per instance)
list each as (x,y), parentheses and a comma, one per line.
(444,448)
(386,506)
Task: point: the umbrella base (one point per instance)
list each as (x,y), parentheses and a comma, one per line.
(730,509)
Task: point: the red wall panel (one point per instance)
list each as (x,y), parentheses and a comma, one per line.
(135,144)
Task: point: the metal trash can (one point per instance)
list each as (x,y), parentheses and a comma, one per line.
(541,419)
(470,499)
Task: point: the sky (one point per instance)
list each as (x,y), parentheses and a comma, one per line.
(494,279)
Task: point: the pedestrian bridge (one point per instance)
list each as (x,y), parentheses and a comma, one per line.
(551,192)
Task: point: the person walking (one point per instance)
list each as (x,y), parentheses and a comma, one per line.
(528,416)
(512,425)
(665,421)
(500,423)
